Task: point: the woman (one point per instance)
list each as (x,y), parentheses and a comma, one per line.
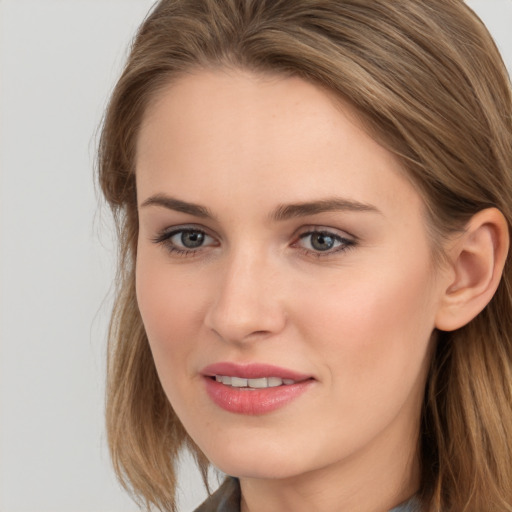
(314,206)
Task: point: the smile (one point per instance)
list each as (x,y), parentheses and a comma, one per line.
(254,388)
(261,383)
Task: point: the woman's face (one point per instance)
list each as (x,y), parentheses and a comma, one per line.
(284,276)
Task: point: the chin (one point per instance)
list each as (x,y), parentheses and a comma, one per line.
(264,469)
(257,461)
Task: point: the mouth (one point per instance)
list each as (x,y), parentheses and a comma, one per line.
(253,389)
(253,374)
(260,383)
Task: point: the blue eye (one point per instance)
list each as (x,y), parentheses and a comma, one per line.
(324,242)
(185,240)
(189,239)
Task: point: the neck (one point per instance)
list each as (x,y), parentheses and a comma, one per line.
(375,480)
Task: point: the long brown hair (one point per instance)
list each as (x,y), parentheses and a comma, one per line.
(430,85)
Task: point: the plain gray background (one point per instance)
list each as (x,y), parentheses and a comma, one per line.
(58,62)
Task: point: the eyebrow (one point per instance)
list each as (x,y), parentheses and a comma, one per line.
(281,213)
(179,206)
(334,204)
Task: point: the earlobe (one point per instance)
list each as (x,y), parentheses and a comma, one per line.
(477,259)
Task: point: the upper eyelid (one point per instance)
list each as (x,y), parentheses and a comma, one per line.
(339,233)
(172,230)
(302,230)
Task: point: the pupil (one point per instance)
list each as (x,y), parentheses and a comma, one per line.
(192,239)
(322,242)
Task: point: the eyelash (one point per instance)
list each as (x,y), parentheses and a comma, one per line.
(344,243)
(165,239)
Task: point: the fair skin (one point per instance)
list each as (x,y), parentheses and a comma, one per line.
(353,307)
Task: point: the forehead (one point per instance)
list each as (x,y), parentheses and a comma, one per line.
(232,135)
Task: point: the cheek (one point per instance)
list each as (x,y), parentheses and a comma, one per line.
(373,327)
(170,306)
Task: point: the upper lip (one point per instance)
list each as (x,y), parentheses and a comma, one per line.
(252,371)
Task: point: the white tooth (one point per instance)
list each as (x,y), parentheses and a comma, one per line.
(274,382)
(225,380)
(237,382)
(258,383)
(218,378)
(287,382)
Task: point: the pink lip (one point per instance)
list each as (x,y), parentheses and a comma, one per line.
(253,401)
(252,371)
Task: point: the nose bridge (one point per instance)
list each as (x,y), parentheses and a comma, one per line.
(247,302)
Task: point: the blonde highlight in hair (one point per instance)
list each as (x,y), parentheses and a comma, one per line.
(430,85)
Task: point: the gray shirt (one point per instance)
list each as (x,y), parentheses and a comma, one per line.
(227,499)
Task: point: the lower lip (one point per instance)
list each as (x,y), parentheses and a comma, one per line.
(253,401)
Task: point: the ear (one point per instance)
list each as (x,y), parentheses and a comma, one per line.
(476,261)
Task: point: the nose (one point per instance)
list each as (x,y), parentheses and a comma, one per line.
(249,303)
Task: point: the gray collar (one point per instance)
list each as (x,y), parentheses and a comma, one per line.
(227,499)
